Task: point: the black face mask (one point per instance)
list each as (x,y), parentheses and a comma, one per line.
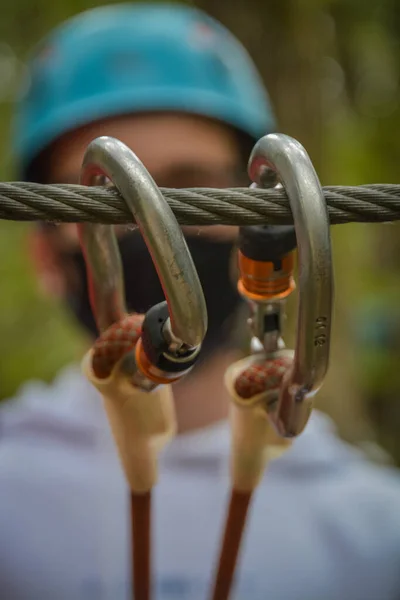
(143,290)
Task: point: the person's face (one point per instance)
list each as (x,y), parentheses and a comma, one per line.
(179,151)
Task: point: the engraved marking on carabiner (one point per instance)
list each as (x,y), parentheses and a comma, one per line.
(320,333)
(291,163)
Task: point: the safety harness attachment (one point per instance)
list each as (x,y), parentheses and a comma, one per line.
(142,423)
(136,354)
(266,263)
(272,389)
(266,278)
(171,333)
(255,441)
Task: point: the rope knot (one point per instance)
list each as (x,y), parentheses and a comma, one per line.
(262,378)
(257,378)
(115,343)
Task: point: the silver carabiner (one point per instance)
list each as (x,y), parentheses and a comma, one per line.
(291,163)
(186,326)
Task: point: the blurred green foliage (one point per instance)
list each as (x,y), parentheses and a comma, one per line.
(332,69)
(37,338)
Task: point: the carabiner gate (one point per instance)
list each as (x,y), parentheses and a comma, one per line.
(266,265)
(172,332)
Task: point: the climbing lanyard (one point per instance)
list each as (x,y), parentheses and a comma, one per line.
(136,353)
(273,388)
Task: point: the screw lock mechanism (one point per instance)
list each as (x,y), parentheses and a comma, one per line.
(266,261)
(156,346)
(267,243)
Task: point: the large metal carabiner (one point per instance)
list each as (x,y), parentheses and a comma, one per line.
(177,326)
(291,164)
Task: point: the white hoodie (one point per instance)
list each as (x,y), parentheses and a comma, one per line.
(324,524)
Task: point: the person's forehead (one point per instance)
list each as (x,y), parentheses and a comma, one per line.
(161,141)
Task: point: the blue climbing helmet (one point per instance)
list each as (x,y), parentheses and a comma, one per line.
(130,58)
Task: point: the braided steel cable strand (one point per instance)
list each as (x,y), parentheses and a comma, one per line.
(22,201)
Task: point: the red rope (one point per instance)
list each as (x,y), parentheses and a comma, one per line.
(119,339)
(234,529)
(141,547)
(262,377)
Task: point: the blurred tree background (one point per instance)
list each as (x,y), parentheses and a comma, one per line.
(332,68)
